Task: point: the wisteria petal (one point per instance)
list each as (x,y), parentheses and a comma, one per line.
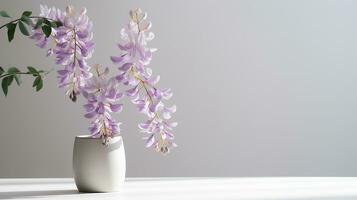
(125,67)
(150,141)
(100,108)
(172,124)
(119,59)
(90,115)
(125,47)
(167,94)
(62,72)
(118,96)
(144,125)
(154,81)
(132,92)
(171,109)
(94,129)
(166,115)
(89,107)
(154,107)
(116,107)
(169,135)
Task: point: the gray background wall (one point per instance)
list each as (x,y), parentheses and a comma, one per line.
(263,88)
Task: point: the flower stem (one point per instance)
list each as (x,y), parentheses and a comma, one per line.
(33,17)
(5,75)
(74,59)
(144,85)
(19,73)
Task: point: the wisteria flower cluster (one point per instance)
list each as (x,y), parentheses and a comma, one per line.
(70,34)
(73,46)
(135,73)
(102,94)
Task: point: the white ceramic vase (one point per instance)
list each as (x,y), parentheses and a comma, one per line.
(96,167)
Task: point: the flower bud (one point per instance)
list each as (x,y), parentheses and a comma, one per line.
(73,96)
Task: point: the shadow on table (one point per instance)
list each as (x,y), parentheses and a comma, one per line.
(35,194)
(36,183)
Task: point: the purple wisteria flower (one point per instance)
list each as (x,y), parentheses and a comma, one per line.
(73,46)
(102,96)
(135,73)
(38,35)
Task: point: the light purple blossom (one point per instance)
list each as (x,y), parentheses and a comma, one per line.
(134,71)
(102,96)
(49,13)
(73,46)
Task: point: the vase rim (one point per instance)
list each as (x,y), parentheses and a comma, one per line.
(90,137)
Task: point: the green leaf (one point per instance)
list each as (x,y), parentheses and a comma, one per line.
(47,30)
(58,23)
(6,82)
(3,13)
(23,28)
(25,19)
(47,22)
(36,81)
(11,31)
(39,85)
(4,86)
(13,70)
(39,23)
(10,79)
(32,70)
(18,79)
(27,13)
(54,24)
(1,70)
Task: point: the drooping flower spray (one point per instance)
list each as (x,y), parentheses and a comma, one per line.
(102,94)
(72,46)
(134,72)
(70,34)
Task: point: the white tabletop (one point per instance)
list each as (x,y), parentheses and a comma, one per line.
(189,188)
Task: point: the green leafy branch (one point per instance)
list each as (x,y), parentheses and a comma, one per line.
(24,22)
(15,74)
